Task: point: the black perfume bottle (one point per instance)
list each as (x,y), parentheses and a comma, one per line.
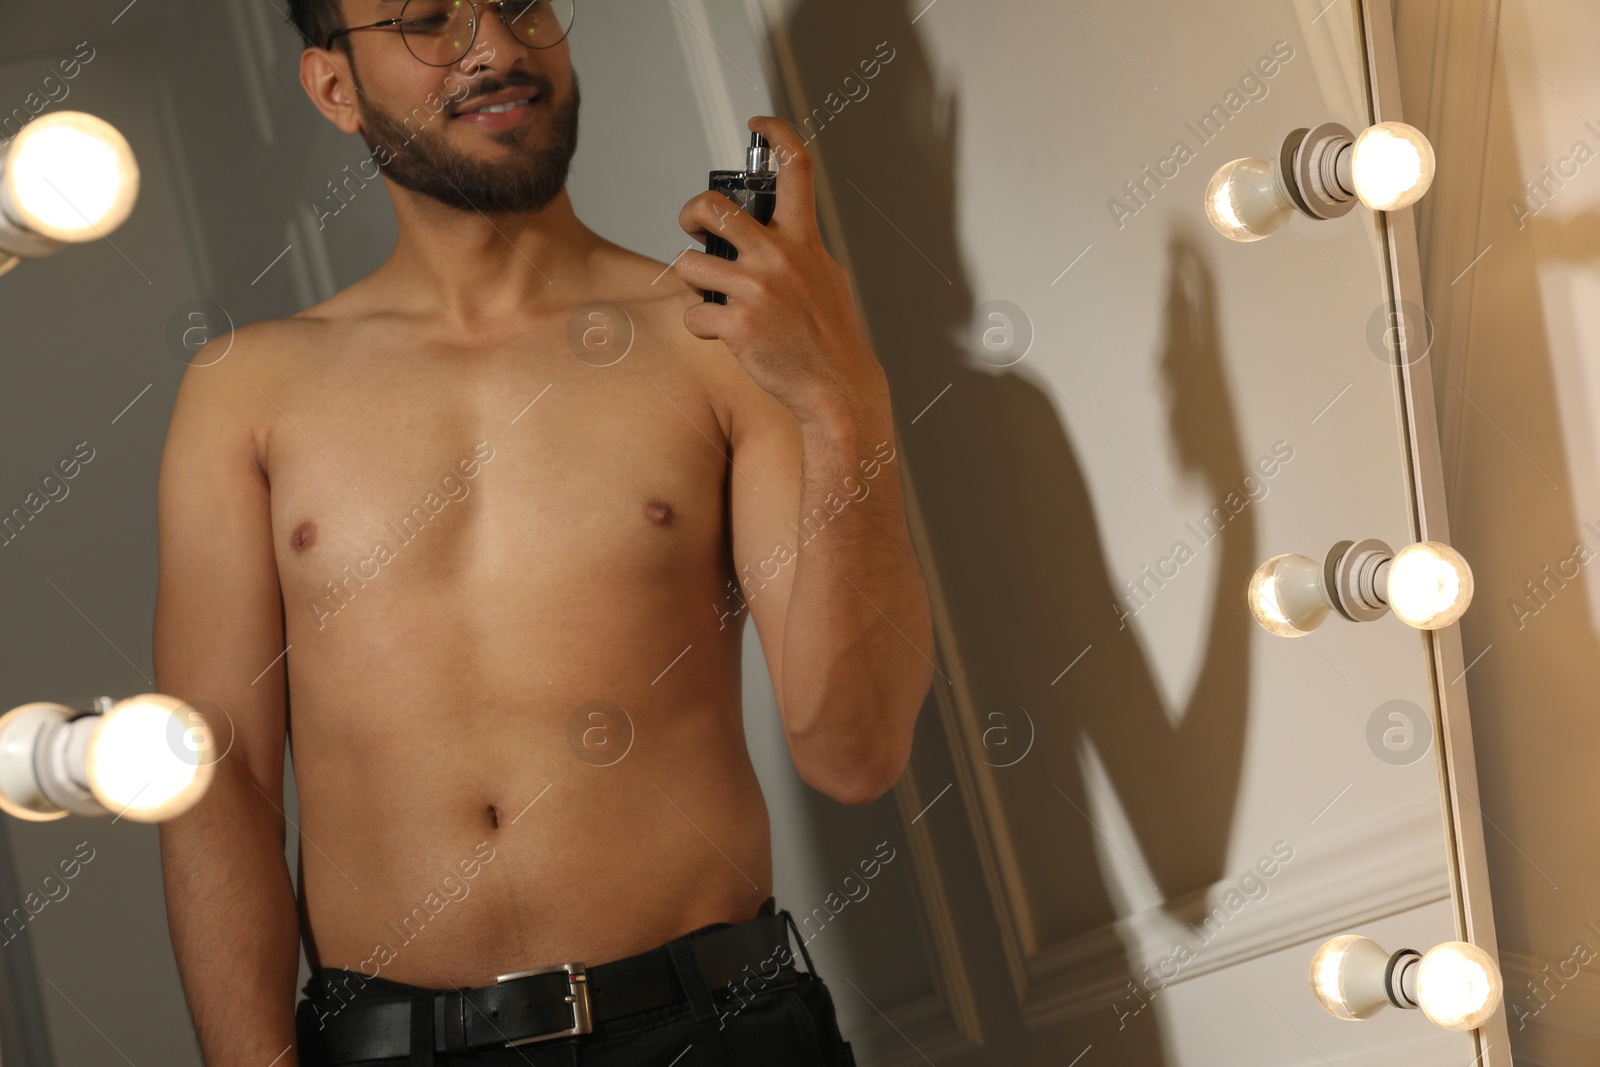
(754,189)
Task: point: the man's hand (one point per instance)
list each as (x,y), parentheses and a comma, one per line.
(791,318)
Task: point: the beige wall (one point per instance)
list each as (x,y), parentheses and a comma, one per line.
(1515,358)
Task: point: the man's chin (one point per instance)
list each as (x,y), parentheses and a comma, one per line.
(491,144)
(483,190)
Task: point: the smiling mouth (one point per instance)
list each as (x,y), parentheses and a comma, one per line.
(503,108)
(500,109)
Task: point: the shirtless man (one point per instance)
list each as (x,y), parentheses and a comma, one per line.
(494,569)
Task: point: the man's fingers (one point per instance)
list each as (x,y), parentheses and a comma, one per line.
(714,212)
(797,198)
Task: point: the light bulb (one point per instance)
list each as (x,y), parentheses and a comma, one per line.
(20,729)
(1244,201)
(1458,985)
(69,176)
(1285,596)
(151,758)
(1429,585)
(1347,976)
(1391,166)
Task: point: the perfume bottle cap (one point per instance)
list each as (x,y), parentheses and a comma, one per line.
(759,158)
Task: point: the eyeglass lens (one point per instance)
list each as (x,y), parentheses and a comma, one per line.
(439,32)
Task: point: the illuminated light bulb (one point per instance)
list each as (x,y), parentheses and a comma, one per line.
(151,758)
(1347,976)
(69,176)
(1429,585)
(1391,166)
(1458,985)
(1244,201)
(1285,595)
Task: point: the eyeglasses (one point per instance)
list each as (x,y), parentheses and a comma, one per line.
(439,32)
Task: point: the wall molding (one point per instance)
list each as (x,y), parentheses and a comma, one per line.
(311,271)
(255,60)
(954,1023)
(718,118)
(194,231)
(1332,887)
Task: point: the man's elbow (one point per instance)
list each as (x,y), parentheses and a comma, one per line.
(855,753)
(861,779)
(854,791)
(860,797)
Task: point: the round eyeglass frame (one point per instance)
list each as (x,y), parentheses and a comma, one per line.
(474,5)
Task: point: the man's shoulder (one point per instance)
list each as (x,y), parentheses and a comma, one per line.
(641,281)
(232,375)
(246,352)
(267,344)
(652,288)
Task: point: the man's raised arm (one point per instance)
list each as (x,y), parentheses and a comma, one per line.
(848,629)
(218,644)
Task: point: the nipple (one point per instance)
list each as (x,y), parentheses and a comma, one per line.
(304,536)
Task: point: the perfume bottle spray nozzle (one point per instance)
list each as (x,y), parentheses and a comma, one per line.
(759,158)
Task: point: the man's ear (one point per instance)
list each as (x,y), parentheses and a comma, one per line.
(325,75)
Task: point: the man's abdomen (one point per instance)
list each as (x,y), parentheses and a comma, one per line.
(484,792)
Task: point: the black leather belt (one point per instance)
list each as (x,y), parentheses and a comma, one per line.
(548,1003)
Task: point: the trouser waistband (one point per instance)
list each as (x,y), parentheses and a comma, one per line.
(353,1018)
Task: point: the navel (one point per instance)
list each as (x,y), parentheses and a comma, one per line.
(658,512)
(494,816)
(304,536)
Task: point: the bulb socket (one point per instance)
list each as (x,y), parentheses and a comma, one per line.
(22,730)
(1315,166)
(1354,577)
(16,238)
(60,762)
(1400,978)
(1343,170)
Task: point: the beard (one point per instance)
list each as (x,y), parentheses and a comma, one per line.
(524,180)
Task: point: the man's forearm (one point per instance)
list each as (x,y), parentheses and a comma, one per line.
(858,634)
(235,929)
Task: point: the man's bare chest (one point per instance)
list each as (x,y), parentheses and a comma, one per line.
(523,468)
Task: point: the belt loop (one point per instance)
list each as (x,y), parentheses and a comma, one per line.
(691,978)
(422,1028)
(800,941)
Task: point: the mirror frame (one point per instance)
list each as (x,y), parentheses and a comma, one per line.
(1457,765)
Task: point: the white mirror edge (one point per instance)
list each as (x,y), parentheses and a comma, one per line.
(1458,772)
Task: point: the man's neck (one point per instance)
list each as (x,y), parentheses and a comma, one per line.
(466,270)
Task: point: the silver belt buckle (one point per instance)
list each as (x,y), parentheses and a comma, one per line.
(578,997)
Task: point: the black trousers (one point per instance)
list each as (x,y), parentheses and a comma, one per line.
(789,1023)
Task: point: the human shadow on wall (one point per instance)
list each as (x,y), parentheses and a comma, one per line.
(1012,533)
